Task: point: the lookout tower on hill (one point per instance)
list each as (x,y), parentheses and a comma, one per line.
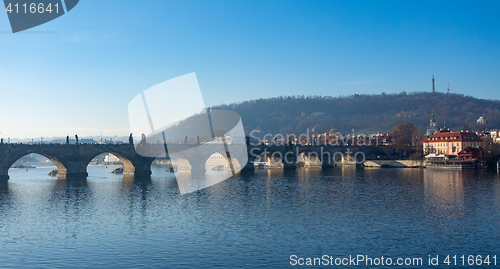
(433,89)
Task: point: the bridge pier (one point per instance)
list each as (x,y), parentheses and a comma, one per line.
(289,167)
(327,161)
(327,166)
(249,167)
(73,168)
(289,163)
(198,171)
(141,167)
(198,167)
(289,159)
(4,168)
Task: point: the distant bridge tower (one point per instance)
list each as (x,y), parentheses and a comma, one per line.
(448,87)
(433,89)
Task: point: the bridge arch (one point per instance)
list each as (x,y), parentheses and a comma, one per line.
(338,157)
(275,159)
(128,166)
(219,161)
(180,162)
(310,159)
(203,162)
(72,160)
(61,168)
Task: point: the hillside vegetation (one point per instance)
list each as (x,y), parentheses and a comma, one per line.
(364,113)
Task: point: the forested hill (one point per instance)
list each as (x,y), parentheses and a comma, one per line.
(365,113)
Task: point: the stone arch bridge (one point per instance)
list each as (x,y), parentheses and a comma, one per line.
(72,159)
(325,156)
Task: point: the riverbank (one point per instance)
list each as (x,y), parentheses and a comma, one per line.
(394,163)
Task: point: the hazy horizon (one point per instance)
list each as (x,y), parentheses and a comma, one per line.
(124,137)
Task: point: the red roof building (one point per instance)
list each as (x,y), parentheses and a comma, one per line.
(469,153)
(451,143)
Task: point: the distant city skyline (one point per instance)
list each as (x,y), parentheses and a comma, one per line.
(77,74)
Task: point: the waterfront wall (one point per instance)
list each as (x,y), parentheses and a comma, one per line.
(394,163)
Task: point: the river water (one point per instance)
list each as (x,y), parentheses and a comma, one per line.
(255,221)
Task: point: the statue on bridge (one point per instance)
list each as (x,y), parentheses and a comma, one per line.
(130,139)
(76,139)
(143,139)
(67,139)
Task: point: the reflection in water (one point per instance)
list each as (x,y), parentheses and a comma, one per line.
(71,198)
(73,189)
(497,190)
(128,182)
(273,177)
(190,182)
(136,187)
(304,175)
(444,189)
(349,172)
(4,187)
(256,220)
(5,196)
(274,173)
(137,192)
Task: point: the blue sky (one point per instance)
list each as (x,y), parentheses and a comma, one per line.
(77,74)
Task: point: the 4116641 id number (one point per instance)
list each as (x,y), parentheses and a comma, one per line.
(476,260)
(32,8)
